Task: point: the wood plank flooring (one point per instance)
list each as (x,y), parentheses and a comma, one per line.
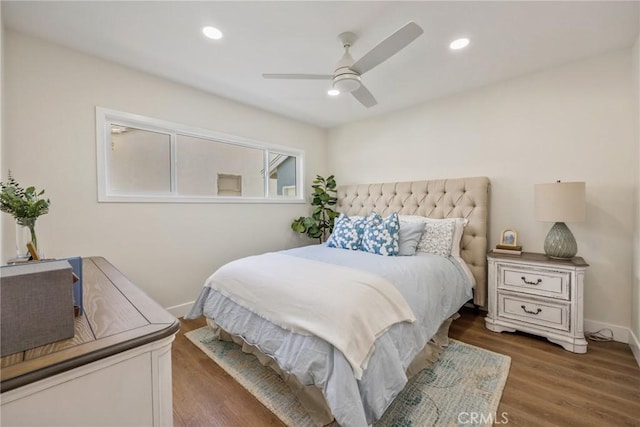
(547,385)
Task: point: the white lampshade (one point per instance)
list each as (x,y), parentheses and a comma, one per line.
(560,202)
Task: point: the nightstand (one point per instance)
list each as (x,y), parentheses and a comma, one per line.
(539,295)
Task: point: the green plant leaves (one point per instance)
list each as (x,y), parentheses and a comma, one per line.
(320,224)
(25,205)
(331,183)
(298,225)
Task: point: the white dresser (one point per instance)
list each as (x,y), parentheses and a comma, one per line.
(115,371)
(539,295)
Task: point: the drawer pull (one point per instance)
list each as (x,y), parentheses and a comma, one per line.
(537,282)
(531,312)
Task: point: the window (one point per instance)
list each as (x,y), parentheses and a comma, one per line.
(143,159)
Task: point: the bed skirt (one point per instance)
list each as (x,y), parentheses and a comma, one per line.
(310,396)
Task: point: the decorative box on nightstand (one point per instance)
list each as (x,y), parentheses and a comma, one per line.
(539,295)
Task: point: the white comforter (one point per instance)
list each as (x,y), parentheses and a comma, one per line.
(434,288)
(346,307)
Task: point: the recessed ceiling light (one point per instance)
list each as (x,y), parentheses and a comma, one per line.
(333,92)
(212,33)
(459,44)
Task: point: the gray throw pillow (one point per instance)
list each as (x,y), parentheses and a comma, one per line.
(410,234)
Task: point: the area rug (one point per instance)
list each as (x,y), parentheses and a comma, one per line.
(463,388)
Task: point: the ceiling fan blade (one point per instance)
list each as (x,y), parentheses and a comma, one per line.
(299,76)
(365,97)
(388,47)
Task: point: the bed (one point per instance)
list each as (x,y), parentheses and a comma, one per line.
(348,340)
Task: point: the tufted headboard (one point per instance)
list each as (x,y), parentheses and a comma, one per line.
(442,198)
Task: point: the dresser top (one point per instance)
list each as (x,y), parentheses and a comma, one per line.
(118,316)
(539,258)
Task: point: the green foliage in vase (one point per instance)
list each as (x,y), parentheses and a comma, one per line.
(25,205)
(320,224)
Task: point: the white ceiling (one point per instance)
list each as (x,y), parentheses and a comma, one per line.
(164,38)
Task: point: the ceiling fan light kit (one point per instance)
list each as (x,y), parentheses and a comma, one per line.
(346,83)
(346,76)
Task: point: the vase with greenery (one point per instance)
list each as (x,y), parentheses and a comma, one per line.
(25,205)
(320,224)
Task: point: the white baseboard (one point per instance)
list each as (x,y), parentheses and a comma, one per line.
(620,333)
(634,343)
(180,310)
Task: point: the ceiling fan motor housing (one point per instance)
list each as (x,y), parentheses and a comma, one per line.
(344,78)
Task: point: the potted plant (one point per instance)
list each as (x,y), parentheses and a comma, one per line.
(320,224)
(25,205)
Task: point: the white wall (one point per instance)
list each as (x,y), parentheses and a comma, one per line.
(635,300)
(167,249)
(573,123)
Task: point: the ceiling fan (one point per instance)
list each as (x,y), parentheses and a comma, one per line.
(346,77)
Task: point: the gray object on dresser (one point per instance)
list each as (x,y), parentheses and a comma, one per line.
(36,305)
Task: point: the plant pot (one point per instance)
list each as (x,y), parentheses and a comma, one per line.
(24,235)
(22,238)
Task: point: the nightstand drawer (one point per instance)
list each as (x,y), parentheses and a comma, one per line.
(544,313)
(535,281)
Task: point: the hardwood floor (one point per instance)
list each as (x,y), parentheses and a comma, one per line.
(205,395)
(547,385)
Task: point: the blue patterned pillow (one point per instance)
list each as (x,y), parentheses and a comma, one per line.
(381,235)
(347,232)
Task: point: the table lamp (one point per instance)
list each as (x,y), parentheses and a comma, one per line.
(560,202)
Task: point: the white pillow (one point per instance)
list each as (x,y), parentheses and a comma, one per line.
(442,237)
(456,241)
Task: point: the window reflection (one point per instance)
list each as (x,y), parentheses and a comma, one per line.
(145,159)
(282,175)
(140,161)
(201,163)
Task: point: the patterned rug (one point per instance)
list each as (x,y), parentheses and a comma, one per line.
(463,388)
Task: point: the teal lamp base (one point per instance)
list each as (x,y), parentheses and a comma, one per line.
(560,242)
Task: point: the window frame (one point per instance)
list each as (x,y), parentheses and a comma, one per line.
(105,117)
